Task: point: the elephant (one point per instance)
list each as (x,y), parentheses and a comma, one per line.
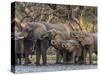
(88,42)
(59,27)
(28,47)
(19,47)
(59,51)
(55,37)
(71,51)
(23,47)
(39,44)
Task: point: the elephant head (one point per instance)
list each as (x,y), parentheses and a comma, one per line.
(37,28)
(83,38)
(79,36)
(68,46)
(50,34)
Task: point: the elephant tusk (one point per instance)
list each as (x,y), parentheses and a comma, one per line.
(19,37)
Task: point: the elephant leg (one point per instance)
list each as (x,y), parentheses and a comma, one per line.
(89,53)
(27,60)
(20,61)
(90,56)
(38,53)
(81,57)
(60,56)
(19,58)
(44,57)
(64,57)
(44,46)
(84,55)
(77,61)
(16,59)
(21,45)
(73,58)
(57,57)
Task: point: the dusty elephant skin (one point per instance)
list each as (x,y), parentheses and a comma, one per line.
(89,43)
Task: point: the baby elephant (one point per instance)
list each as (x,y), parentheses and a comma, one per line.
(59,52)
(88,42)
(71,51)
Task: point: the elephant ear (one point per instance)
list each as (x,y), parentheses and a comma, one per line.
(24,33)
(44,35)
(31,26)
(49,33)
(74,34)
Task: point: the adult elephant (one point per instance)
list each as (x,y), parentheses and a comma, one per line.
(28,47)
(23,47)
(88,42)
(19,47)
(40,44)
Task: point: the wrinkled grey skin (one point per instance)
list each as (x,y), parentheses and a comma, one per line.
(38,30)
(59,27)
(40,44)
(19,48)
(59,51)
(23,47)
(55,37)
(71,51)
(28,47)
(88,42)
(43,33)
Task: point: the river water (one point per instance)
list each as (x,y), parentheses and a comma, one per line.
(49,68)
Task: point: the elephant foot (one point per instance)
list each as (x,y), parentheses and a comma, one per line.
(28,62)
(58,63)
(44,63)
(37,64)
(90,62)
(65,63)
(19,63)
(70,62)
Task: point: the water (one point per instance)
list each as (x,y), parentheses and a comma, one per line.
(49,68)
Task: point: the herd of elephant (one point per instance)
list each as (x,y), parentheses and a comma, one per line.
(71,47)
